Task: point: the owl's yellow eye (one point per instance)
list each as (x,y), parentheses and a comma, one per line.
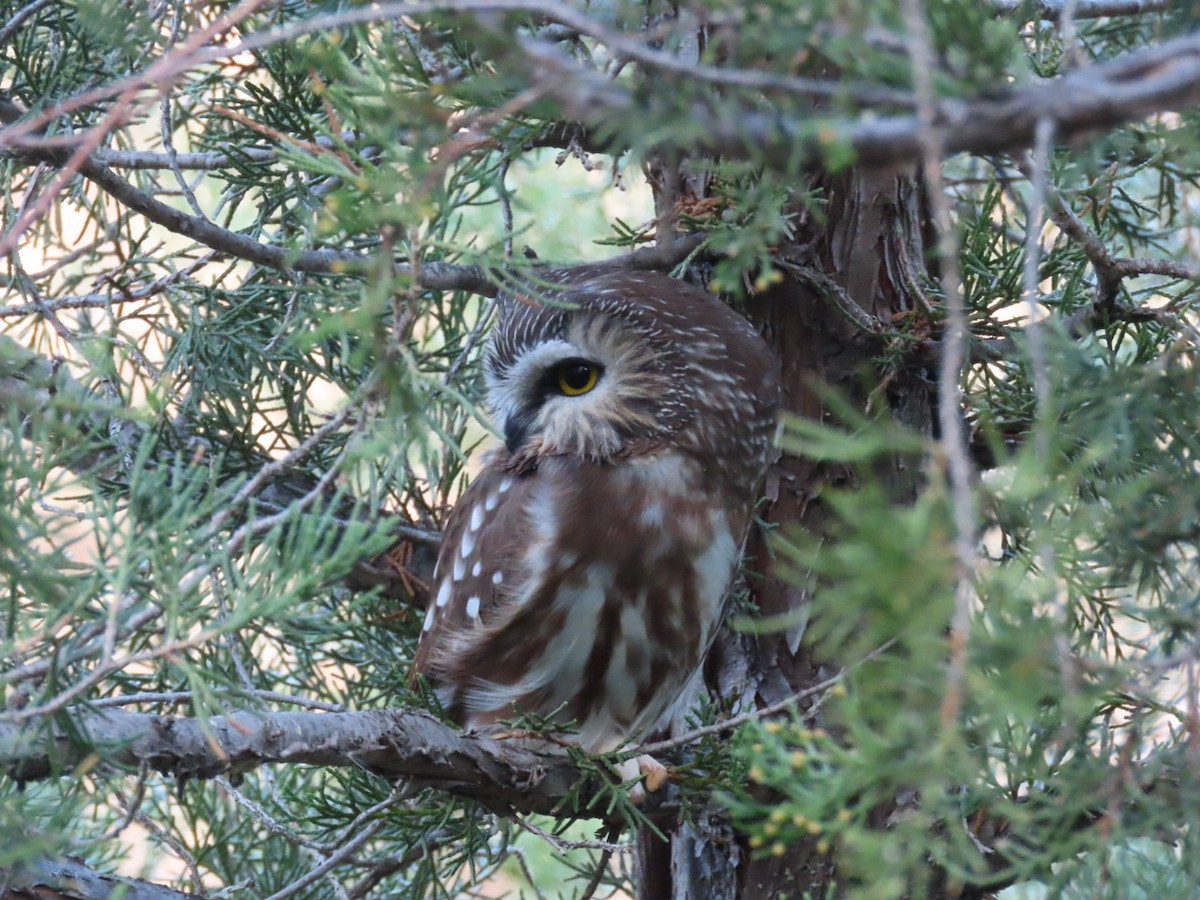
(576,377)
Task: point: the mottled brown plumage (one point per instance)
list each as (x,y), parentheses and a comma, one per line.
(583,573)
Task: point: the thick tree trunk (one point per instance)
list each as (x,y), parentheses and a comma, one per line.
(871,243)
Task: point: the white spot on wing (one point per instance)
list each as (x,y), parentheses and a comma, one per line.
(443,596)
(497,577)
(476,569)
(473,607)
(428,619)
(468,545)
(460,569)
(476,517)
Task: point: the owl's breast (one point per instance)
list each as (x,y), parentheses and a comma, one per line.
(611,581)
(630,563)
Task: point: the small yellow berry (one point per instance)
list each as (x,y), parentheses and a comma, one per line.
(778,849)
(798,759)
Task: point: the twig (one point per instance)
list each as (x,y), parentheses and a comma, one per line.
(94,645)
(333,860)
(132,807)
(174,844)
(601,866)
(1035,167)
(1110,270)
(473,337)
(18,19)
(166,129)
(105,300)
(756,714)
(297,454)
(260,813)
(1072,49)
(1036,170)
(506,213)
(836,294)
(563,845)
(954,439)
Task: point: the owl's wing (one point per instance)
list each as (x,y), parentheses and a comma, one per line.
(478,564)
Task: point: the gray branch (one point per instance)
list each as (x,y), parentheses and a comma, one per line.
(66,878)
(1134,86)
(504,775)
(1052,10)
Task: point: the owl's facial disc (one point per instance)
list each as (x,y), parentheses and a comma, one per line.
(567,379)
(556,370)
(587,391)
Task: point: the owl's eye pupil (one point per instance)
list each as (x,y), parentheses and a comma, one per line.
(575,377)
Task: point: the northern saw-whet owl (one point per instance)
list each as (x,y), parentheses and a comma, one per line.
(583,573)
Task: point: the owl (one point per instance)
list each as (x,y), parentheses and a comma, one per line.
(583,574)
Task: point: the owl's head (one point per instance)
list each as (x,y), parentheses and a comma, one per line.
(615,365)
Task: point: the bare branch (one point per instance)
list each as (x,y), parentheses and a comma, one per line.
(66,878)
(503,775)
(953,444)
(116,296)
(1052,10)
(15,22)
(1133,86)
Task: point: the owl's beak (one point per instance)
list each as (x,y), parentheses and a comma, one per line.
(516,430)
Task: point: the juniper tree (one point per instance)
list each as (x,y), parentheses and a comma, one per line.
(250,255)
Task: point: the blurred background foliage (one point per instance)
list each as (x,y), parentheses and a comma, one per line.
(199,453)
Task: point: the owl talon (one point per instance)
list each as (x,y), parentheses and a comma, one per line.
(652,775)
(655,772)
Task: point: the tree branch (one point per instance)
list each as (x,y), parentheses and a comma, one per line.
(1133,86)
(505,776)
(1052,10)
(67,878)
(438,276)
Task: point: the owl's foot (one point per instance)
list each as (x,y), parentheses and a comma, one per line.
(650,770)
